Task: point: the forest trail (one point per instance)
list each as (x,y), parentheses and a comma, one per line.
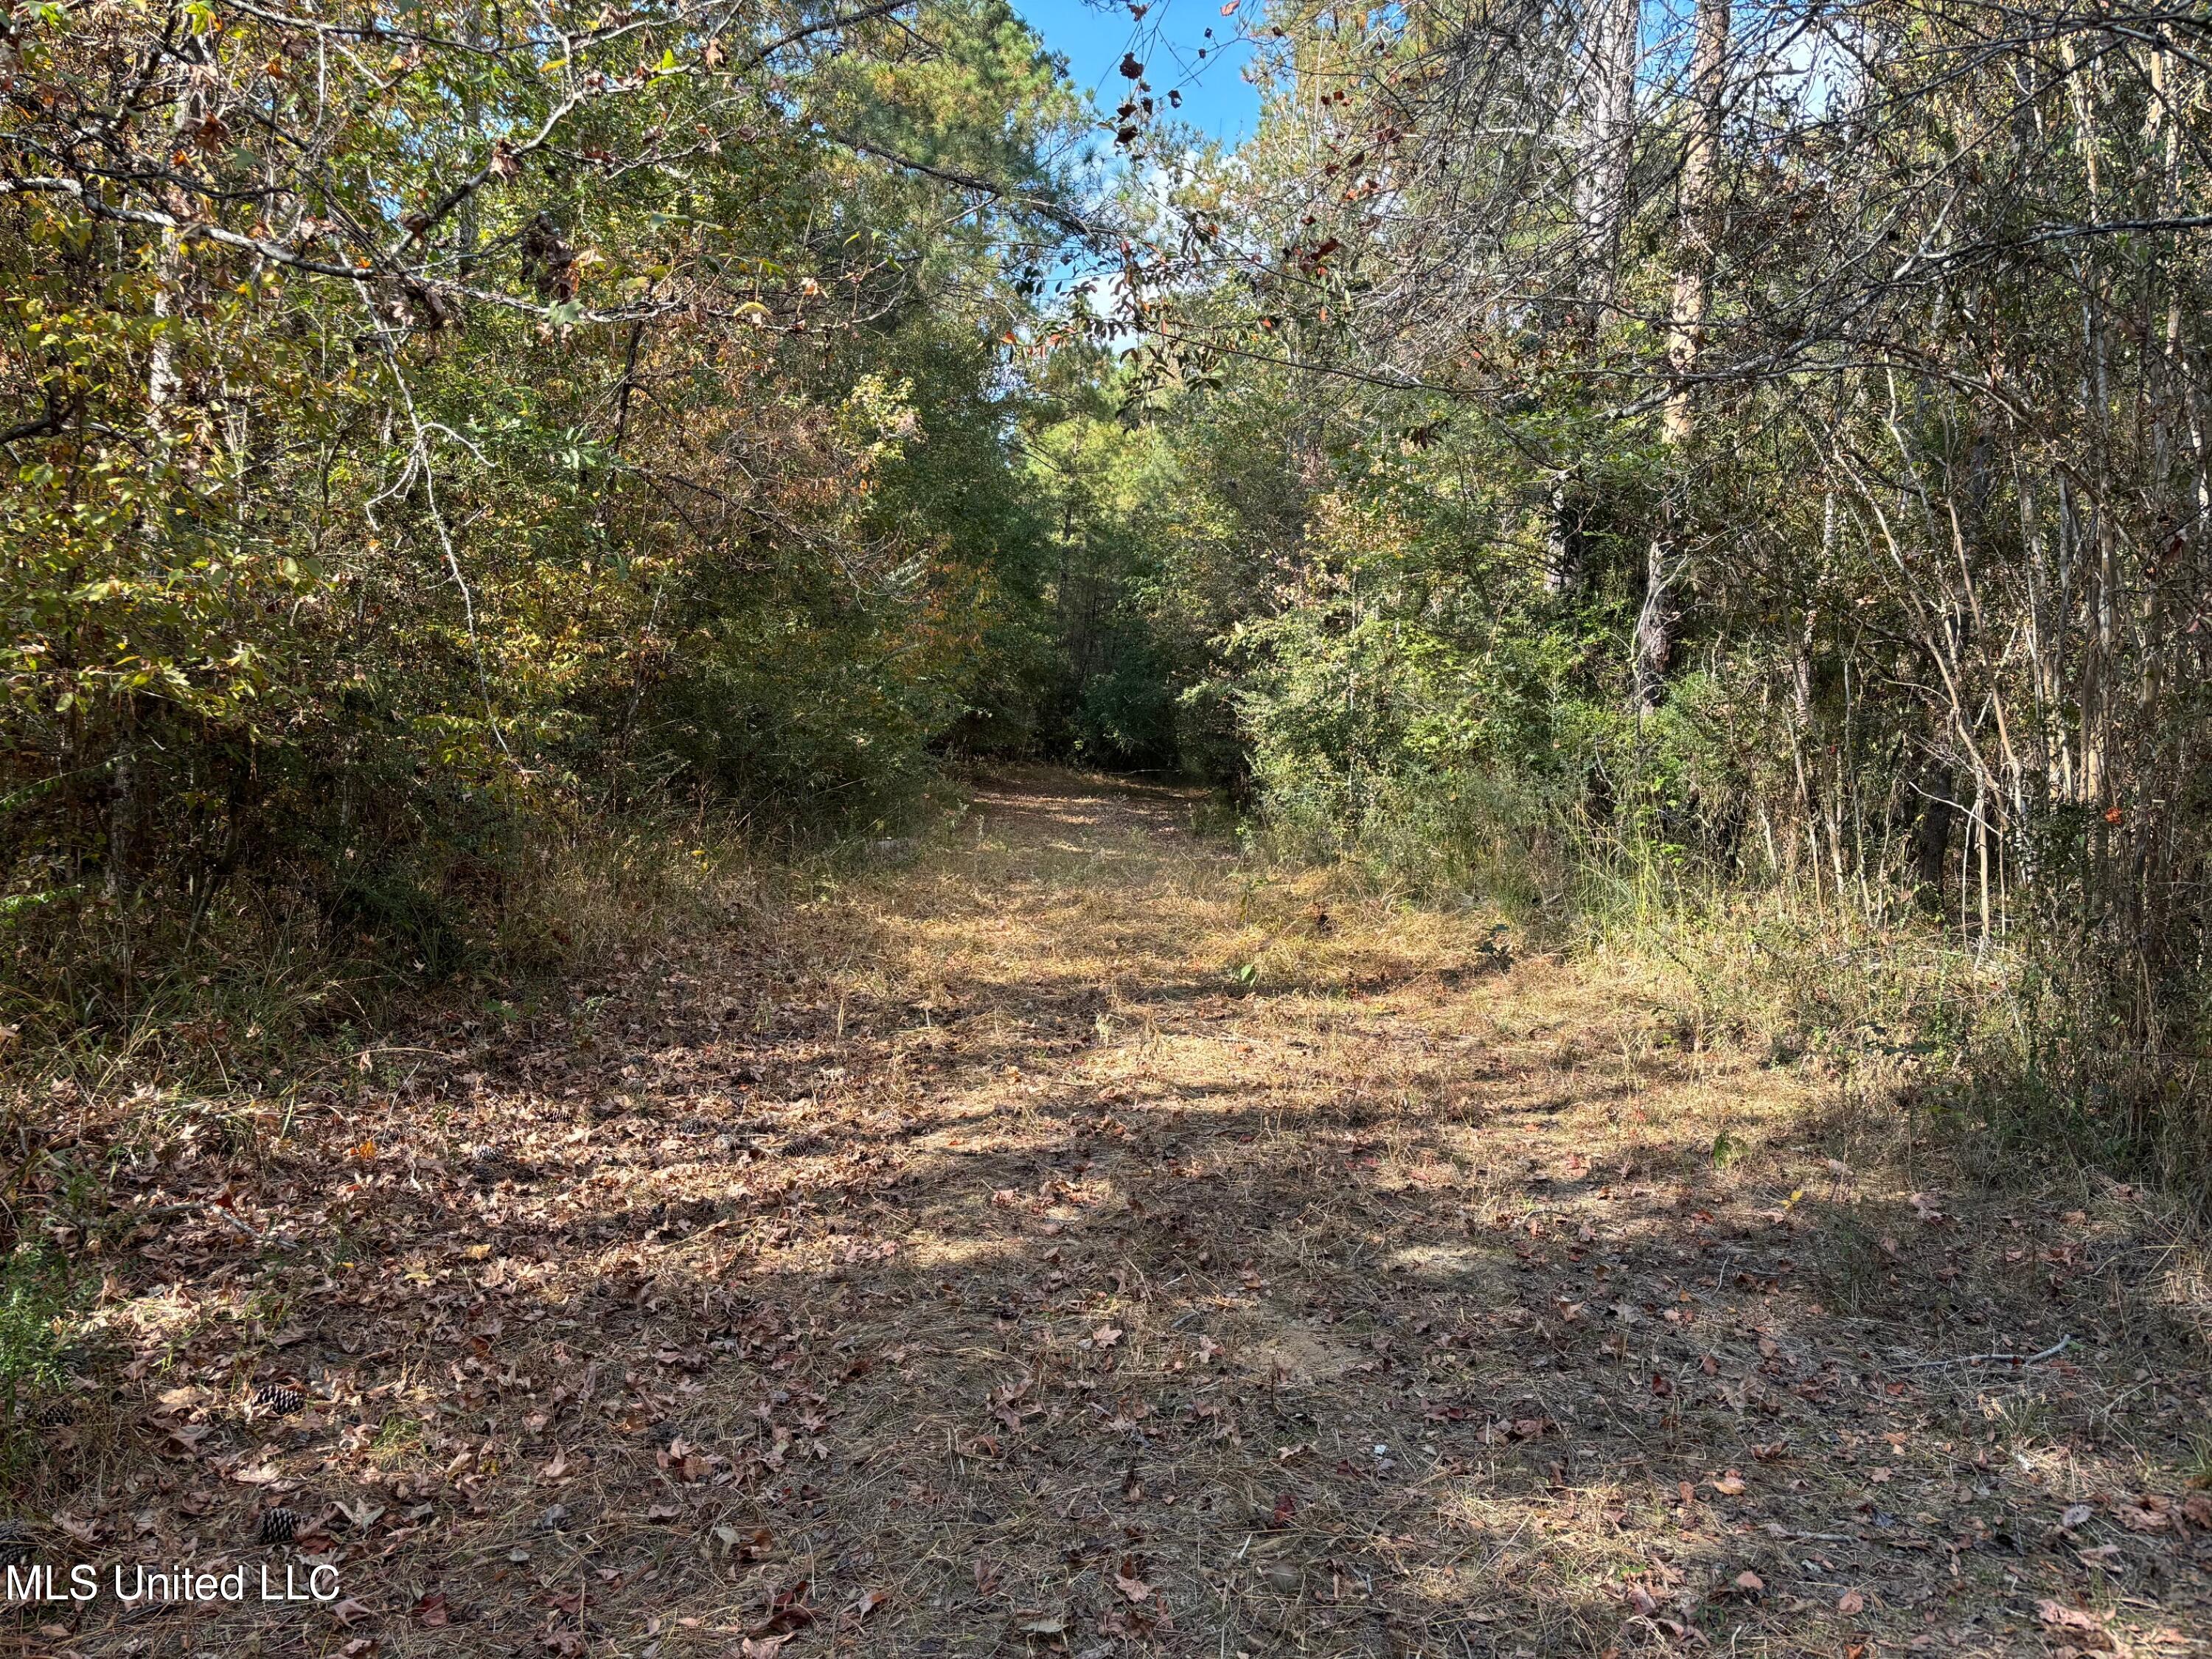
(1078,1241)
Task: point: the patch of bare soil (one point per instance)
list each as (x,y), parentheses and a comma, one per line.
(1073,1241)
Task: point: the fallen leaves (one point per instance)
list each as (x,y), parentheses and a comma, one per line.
(743,1544)
(682,1461)
(2151,1514)
(1518,1428)
(2082,1629)
(362,1513)
(1124,1371)
(862,1605)
(788,1612)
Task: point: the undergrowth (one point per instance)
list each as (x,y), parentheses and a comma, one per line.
(39,1306)
(149,1025)
(128,995)
(1922,1027)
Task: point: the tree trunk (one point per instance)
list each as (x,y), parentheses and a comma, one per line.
(1931,839)
(1686,334)
(1612,46)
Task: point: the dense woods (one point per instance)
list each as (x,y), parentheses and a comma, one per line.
(1741,447)
(430,430)
(1745,460)
(807,846)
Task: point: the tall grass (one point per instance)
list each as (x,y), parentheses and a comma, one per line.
(35,1305)
(1434,836)
(1997,1043)
(243,996)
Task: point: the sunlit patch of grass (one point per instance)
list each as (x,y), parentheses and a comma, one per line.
(36,1303)
(2196,1466)
(2020,1421)
(41,1316)
(398,1440)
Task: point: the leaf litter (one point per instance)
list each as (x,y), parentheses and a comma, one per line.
(1065,1244)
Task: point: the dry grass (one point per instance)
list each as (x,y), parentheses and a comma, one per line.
(1075,1241)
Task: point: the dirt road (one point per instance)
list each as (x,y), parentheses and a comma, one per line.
(1074,1240)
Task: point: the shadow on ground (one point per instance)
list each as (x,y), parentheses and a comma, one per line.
(1078,1242)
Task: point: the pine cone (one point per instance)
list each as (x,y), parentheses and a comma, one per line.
(278,1398)
(278,1526)
(53,1413)
(15,1544)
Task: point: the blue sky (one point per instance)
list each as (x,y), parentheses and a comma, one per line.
(1216,98)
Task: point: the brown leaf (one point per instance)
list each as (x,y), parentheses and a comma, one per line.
(1851,1604)
(787,1611)
(430,1611)
(85,1532)
(2059,1616)
(350,1613)
(1729,1483)
(1134,1587)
